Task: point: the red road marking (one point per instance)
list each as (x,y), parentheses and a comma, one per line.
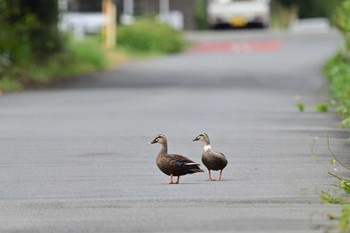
(252,46)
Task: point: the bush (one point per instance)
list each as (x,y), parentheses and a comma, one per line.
(88,53)
(311,8)
(201,15)
(150,36)
(77,58)
(282,16)
(341,20)
(337,69)
(29,30)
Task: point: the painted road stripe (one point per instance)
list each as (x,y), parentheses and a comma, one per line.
(243,46)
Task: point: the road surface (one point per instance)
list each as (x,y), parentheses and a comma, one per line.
(75,159)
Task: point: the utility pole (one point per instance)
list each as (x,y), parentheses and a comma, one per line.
(110,26)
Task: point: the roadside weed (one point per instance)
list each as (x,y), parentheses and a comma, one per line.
(320,107)
(300,107)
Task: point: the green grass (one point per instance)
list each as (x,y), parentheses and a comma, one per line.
(200,15)
(89,53)
(148,36)
(321,107)
(300,107)
(344,219)
(337,70)
(343,183)
(8,84)
(281,16)
(79,57)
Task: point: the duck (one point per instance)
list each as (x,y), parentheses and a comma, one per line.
(173,164)
(213,160)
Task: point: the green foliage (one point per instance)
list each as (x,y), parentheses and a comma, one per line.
(79,57)
(301,107)
(200,14)
(311,8)
(282,16)
(333,199)
(337,69)
(28,30)
(343,183)
(14,37)
(321,107)
(150,36)
(32,50)
(8,84)
(341,20)
(89,53)
(344,219)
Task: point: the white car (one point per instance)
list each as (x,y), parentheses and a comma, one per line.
(238,13)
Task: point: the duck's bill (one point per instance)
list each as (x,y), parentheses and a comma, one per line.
(152,142)
(196,139)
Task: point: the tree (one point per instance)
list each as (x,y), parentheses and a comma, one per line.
(312,8)
(29,29)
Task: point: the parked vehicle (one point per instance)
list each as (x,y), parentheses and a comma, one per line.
(238,13)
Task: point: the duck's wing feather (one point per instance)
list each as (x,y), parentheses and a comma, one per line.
(177,165)
(182,161)
(179,157)
(220,153)
(214,160)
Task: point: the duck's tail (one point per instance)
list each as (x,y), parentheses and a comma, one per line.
(195,169)
(191,166)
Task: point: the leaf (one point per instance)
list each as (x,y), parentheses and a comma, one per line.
(320,107)
(300,106)
(332,161)
(333,199)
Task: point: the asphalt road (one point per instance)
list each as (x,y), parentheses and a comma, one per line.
(75,158)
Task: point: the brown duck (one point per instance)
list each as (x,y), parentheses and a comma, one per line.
(211,159)
(172,164)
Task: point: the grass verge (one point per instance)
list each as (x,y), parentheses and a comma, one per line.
(80,56)
(336,170)
(144,38)
(337,71)
(150,37)
(282,16)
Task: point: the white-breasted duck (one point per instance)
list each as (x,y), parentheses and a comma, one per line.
(211,159)
(173,164)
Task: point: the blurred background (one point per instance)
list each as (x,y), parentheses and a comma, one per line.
(39,37)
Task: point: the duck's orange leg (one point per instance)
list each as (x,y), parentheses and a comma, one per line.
(209,176)
(220,175)
(171,180)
